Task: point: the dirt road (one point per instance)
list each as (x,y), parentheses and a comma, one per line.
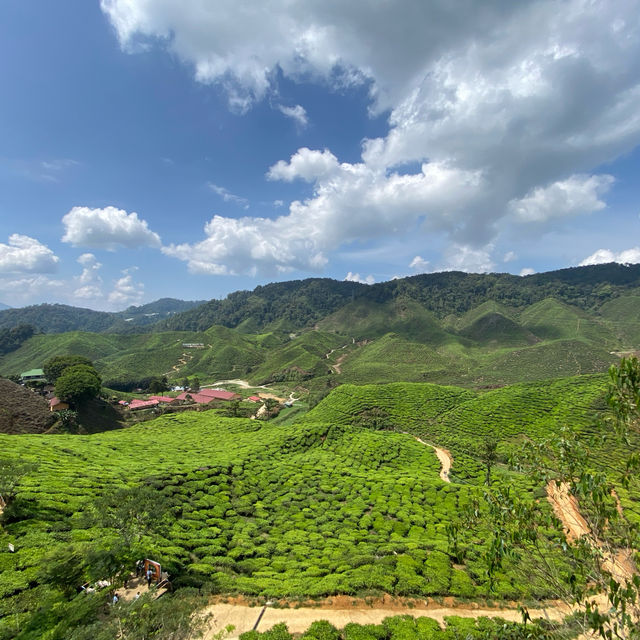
(244,617)
(241,383)
(443,455)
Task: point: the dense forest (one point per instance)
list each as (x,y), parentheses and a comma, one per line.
(299,304)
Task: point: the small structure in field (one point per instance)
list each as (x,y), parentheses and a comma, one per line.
(136,404)
(55,404)
(33,375)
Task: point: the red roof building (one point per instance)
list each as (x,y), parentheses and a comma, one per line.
(164,399)
(136,404)
(254,399)
(219,394)
(55,404)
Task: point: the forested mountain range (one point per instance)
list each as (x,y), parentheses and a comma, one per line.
(449,328)
(59,318)
(301,303)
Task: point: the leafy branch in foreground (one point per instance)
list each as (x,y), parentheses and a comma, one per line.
(597,577)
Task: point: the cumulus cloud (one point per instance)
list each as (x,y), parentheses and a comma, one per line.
(351,202)
(227,196)
(419,264)
(576,195)
(604,256)
(509,105)
(298,114)
(89,282)
(126,291)
(305,164)
(510,256)
(24,254)
(527,271)
(20,290)
(355,277)
(107,228)
(468,259)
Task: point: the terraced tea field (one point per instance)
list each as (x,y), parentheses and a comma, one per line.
(303,510)
(341,502)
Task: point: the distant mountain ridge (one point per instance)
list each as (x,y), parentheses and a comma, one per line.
(59,318)
(299,304)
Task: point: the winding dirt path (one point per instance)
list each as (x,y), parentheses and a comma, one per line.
(347,609)
(181,363)
(443,456)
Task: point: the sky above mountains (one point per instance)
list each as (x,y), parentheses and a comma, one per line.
(154,148)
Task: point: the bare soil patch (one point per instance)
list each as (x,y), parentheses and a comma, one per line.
(618,562)
(23,410)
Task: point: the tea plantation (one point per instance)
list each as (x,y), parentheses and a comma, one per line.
(339,503)
(345,501)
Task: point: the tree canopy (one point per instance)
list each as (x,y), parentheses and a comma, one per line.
(78,383)
(54,367)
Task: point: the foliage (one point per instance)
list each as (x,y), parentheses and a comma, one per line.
(12,339)
(68,419)
(77,383)
(11,472)
(55,367)
(405,627)
(158,384)
(63,568)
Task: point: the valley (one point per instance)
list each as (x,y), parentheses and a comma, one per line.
(423,473)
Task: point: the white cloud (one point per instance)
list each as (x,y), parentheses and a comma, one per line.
(297,113)
(227,196)
(350,203)
(305,164)
(22,290)
(510,256)
(355,277)
(420,264)
(508,107)
(604,256)
(107,228)
(527,271)
(126,291)
(578,194)
(468,259)
(89,282)
(24,254)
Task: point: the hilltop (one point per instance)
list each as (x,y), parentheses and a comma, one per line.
(300,304)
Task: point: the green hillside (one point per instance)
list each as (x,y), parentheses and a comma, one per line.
(623,315)
(458,419)
(305,510)
(303,303)
(368,319)
(38,349)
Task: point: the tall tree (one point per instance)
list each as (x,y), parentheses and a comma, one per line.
(54,367)
(78,383)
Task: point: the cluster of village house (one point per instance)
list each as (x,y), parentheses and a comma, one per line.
(204,396)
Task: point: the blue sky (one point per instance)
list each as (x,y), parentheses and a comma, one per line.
(154,148)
